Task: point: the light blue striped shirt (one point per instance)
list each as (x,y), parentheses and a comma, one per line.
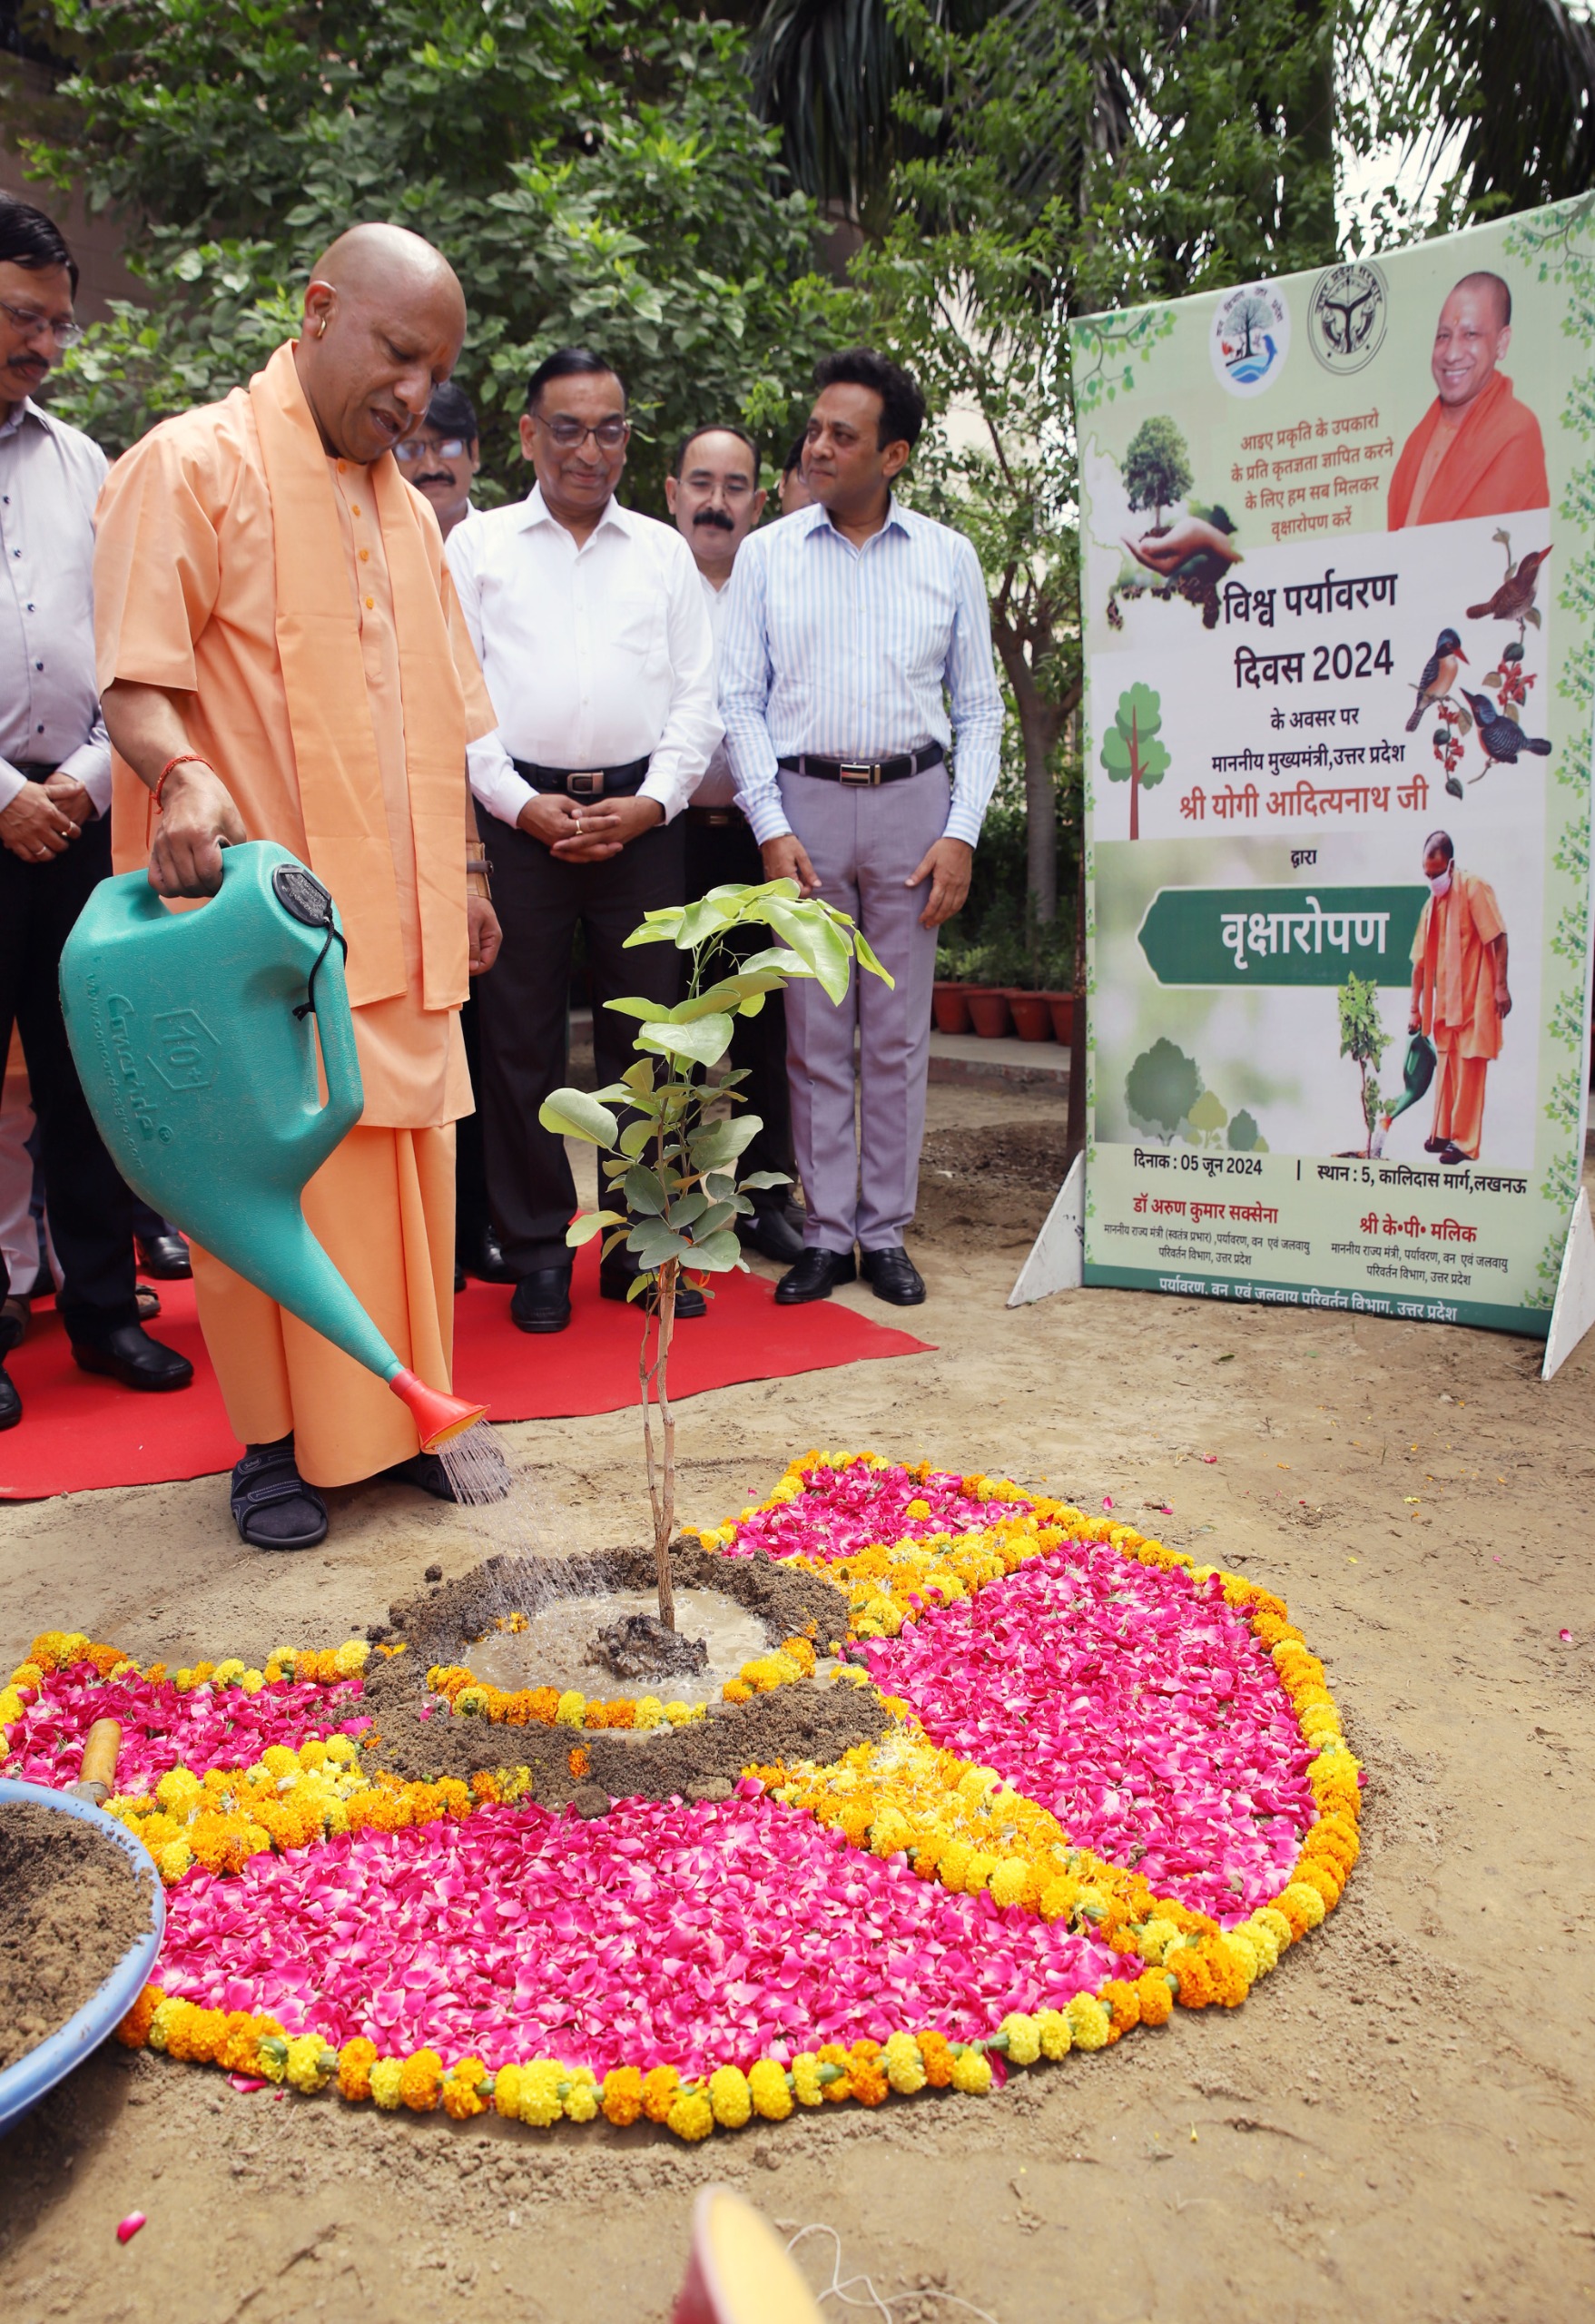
(858,653)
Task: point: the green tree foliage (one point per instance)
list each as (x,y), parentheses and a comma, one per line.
(1245,1136)
(592,168)
(1363,1038)
(1131,752)
(1156,465)
(1160,1089)
(1207,1118)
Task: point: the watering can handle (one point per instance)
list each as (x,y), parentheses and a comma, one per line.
(335,1030)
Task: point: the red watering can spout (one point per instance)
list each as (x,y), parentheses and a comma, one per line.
(439,1418)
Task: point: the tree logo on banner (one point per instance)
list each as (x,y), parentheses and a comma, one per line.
(1131,750)
(1347,317)
(1251,338)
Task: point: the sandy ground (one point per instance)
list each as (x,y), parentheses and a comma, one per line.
(1397,2125)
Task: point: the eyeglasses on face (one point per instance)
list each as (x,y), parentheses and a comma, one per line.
(570,433)
(65,333)
(453,448)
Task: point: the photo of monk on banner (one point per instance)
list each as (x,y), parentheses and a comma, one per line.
(1477,451)
(1459,995)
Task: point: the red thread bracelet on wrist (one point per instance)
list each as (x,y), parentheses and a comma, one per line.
(178,758)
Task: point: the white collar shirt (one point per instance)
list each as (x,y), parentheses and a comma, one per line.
(593,655)
(49,478)
(718,787)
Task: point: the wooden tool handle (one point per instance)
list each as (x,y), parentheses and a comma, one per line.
(97,1776)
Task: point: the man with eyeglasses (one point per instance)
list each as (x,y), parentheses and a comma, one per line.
(54,790)
(712,493)
(596,644)
(441,458)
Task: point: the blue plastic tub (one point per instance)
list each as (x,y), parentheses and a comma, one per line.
(24,2084)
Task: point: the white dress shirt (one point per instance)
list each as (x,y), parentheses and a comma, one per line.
(858,653)
(49,478)
(593,655)
(718,787)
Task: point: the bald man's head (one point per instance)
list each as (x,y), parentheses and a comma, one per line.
(1473,334)
(384,320)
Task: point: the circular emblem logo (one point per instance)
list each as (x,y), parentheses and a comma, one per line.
(1348,316)
(299,891)
(1251,338)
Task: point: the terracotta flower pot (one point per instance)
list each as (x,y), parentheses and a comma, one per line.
(950,1005)
(1032,1014)
(989,1011)
(1062,1005)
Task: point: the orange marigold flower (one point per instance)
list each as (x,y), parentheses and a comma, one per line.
(660,2086)
(420,2082)
(580,1764)
(936,2051)
(1123,2003)
(623,1712)
(238,2050)
(195,2038)
(134,2029)
(865,2074)
(1155,1995)
(543,1702)
(1192,1975)
(355,2061)
(623,2096)
(462,2089)
(737,1691)
(1320,1877)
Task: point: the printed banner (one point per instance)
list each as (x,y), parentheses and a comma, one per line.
(1338,576)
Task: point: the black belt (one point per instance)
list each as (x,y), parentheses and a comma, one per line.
(35,770)
(716,819)
(866,771)
(585,782)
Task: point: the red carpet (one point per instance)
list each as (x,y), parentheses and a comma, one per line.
(79,1432)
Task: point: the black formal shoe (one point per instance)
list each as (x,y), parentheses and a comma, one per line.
(165,1257)
(892,1274)
(130,1356)
(615,1280)
(10,1402)
(773,1234)
(542,1300)
(487,1260)
(459,1278)
(1435,1145)
(272,1506)
(1450,1156)
(815,1277)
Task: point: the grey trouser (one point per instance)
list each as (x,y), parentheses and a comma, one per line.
(865,843)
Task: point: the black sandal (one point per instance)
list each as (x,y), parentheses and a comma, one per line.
(272,1506)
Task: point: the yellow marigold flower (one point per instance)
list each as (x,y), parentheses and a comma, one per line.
(1301,1906)
(800,1651)
(623,2096)
(312,1755)
(807,2087)
(311,2064)
(1024,2038)
(581,2099)
(890,1832)
(178,1791)
(729,2097)
(421,2082)
(1052,2028)
(351,1658)
(28,1674)
(692,2117)
(506,2086)
(1089,2022)
(918,1509)
(977,1872)
(1154,1938)
(1268,1917)
(11,1706)
(387,2077)
(252,1681)
(572,1705)
(462,2089)
(1010,1880)
(680,1714)
(971,2073)
(356,2061)
(166,2015)
(650,1712)
(280,1759)
(1242,1941)
(1059,1897)
(768,2091)
(540,2103)
(1263,1941)
(952,1864)
(272,2055)
(228,1673)
(904,2064)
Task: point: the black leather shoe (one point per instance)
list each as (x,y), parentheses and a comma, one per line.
(459,1278)
(10,1402)
(771,1234)
(542,1300)
(615,1280)
(815,1277)
(487,1260)
(165,1257)
(892,1274)
(130,1356)
(272,1506)
(1450,1156)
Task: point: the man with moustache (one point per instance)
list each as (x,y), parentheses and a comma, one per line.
(54,824)
(282,658)
(713,495)
(598,651)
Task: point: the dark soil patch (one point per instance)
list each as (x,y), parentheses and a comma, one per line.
(816,1721)
(73,1906)
(639,1646)
(1013,1154)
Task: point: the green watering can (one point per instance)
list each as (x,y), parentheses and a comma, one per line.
(1417,1075)
(193,1037)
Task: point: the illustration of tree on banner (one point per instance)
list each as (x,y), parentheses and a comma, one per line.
(1252,314)
(1245,1136)
(1157,467)
(1131,752)
(1207,1118)
(1363,1038)
(1160,1089)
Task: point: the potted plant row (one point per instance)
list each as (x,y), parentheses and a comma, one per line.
(997,989)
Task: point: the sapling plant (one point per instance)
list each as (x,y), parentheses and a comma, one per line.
(672,1137)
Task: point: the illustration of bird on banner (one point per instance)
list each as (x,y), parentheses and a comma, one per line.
(1502,737)
(1439,676)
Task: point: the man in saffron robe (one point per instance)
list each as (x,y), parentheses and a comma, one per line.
(282,657)
(1459,995)
(1477,451)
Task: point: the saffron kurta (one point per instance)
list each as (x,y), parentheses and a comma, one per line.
(1456,1001)
(299,610)
(1490,463)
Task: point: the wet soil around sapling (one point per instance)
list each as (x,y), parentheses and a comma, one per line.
(816,1721)
(71,1905)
